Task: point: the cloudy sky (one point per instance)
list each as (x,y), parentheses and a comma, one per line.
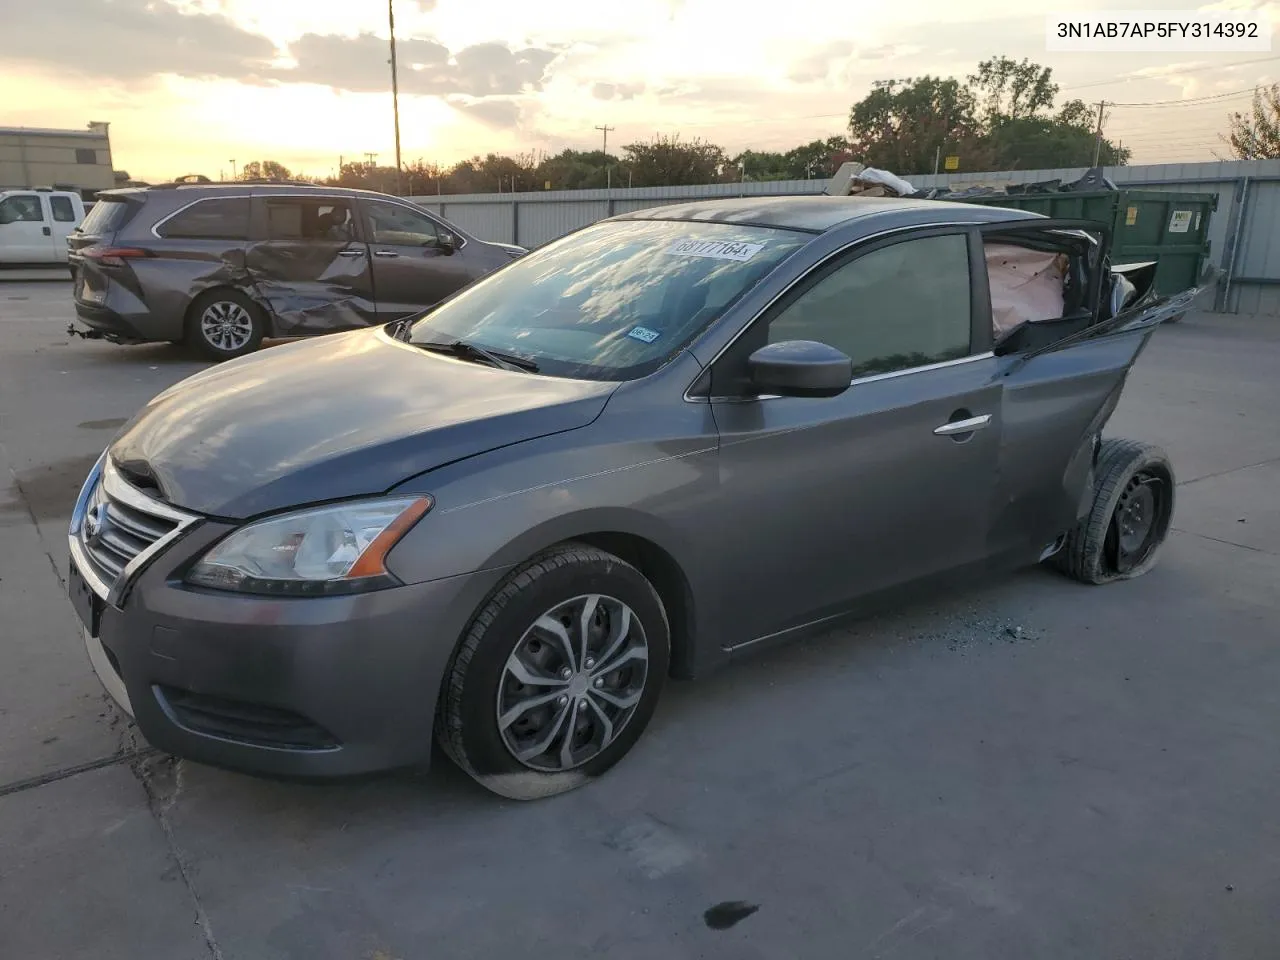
(188,85)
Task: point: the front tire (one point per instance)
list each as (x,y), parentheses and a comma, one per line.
(557,675)
(1127,524)
(225,324)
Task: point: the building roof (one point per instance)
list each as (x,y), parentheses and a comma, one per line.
(48,132)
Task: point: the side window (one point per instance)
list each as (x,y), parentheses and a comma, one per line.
(319,218)
(901,306)
(394,224)
(215,219)
(24,208)
(86,156)
(63,211)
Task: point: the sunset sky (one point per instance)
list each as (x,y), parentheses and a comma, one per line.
(189,85)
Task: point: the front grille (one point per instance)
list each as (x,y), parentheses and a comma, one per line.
(252,723)
(115,524)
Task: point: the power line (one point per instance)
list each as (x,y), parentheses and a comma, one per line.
(1172,73)
(1189,100)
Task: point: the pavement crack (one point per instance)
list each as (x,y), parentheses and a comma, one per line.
(35,522)
(53,776)
(1229,543)
(1223,473)
(163,778)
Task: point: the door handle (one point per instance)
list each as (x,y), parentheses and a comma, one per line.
(385,253)
(351,253)
(962,426)
(47,232)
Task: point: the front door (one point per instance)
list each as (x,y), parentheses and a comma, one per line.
(888,482)
(26,234)
(310,264)
(411,269)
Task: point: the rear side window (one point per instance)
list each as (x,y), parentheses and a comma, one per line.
(63,211)
(107,216)
(321,218)
(214,219)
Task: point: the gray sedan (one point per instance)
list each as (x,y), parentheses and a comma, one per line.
(635,453)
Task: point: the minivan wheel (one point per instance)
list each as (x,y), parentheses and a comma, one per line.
(225,324)
(1121,536)
(557,675)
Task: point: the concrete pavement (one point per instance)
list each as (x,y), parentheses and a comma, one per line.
(1035,769)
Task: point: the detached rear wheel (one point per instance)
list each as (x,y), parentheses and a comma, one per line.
(557,676)
(1132,511)
(224,324)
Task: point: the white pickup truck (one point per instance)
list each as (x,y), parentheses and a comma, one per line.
(35,224)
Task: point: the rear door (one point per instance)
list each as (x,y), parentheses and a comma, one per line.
(411,269)
(1061,379)
(26,229)
(65,211)
(309,263)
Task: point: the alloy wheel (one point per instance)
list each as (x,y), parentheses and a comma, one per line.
(226,325)
(572,683)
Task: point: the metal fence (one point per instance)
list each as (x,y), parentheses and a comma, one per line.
(1244,234)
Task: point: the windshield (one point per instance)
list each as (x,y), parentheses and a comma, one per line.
(614,301)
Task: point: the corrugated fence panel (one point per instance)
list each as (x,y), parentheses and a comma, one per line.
(532,219)
(543,222)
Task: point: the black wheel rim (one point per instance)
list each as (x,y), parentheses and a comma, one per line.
(572,683)
(1139,521)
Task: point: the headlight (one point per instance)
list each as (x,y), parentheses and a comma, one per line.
(325,550)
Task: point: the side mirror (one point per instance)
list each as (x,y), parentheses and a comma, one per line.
(446,241)
(800,368)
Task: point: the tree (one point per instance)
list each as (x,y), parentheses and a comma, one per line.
(667,161)
(264,170)
(1000,119)
(576,170)
(1005,90)
(901,124)
(1257,136)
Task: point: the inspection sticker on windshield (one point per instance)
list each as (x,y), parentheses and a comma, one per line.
(716,249)
(643,334)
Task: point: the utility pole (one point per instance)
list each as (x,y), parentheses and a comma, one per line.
(370,157)
(608,174)
(395,91)
(1097,143)
(233,169)
(937,155)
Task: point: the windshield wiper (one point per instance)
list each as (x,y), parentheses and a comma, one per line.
(465,350)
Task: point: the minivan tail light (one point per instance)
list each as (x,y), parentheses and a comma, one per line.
(114,256)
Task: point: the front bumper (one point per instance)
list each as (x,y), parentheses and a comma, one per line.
(314,687)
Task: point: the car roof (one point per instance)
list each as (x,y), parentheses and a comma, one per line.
(264,187)
(818,214)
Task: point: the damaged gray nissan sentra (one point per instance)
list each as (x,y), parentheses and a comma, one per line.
(629,455)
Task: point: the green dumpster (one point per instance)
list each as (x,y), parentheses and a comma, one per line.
(1170,228)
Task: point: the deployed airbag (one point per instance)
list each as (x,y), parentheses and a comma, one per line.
(1026,285)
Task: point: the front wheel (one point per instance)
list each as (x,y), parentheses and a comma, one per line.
(1121,536)
(557,676)
(224,324)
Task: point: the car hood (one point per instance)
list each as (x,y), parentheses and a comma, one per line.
(344,415)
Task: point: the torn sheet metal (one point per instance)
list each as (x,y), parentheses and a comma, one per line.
(313,287)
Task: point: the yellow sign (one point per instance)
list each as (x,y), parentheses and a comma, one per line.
(548,185)
(1130,216)
(951,163)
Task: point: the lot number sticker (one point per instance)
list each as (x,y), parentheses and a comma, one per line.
(1180,222)
(716,249)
